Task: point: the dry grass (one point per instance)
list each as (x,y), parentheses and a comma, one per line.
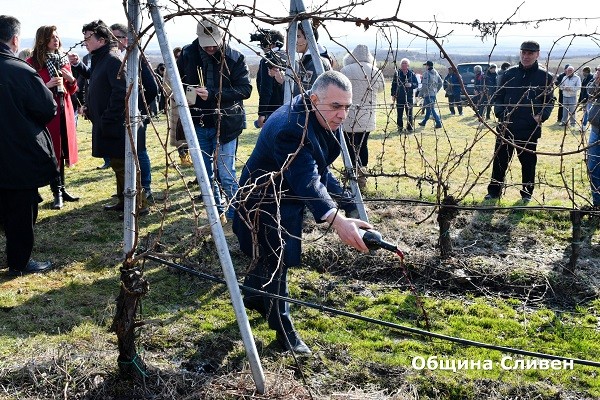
(54,341)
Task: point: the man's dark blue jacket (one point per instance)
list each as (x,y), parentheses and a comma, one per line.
(288,170)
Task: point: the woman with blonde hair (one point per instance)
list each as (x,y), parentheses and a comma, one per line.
(53,66)
(24,54)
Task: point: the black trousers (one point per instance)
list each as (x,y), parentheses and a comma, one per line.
(278,249)
(559,115)
(407,108)
(18,213)
(455,101)
(357,147)
(503,154)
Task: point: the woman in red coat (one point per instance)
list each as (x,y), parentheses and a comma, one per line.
(53,66)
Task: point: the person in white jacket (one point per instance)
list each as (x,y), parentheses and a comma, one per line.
(570,85)
(367,81)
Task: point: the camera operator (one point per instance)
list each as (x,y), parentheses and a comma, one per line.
(269,79)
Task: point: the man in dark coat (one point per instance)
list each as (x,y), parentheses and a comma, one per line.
(557,82)
(27,160)
(404,85)
(523,102)
(105,101)
(270,90)
(287,171)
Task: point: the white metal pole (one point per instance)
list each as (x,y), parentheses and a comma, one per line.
(296,7)
(351,171)
(207,197)
(288,89)
(131,192)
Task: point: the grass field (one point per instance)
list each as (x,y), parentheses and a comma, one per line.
(503,285)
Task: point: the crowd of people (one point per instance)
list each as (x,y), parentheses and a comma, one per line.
(288,171)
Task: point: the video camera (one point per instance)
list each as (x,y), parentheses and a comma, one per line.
(267,37)
(276,59)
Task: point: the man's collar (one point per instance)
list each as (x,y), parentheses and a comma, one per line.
(6,49)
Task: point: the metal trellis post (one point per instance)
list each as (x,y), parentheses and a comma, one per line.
(297,7)
(130,195)
(208,199)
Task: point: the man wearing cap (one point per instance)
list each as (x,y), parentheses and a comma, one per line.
(523,102)
(431,84)
(220,79)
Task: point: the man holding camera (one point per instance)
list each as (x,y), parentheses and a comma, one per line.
(268,78)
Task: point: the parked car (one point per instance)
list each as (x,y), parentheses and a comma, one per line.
(468,75)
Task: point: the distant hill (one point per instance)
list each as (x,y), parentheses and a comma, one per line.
(459,52)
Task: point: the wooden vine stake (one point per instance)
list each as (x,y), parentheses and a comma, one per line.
(447,213)
(575,241)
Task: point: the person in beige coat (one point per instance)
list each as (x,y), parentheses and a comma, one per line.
(367,81)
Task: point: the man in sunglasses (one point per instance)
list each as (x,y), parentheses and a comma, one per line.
(287,172)
(218,80)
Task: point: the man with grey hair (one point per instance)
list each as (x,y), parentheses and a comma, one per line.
(287,172)
(27,158)
(570,85)
(404,84)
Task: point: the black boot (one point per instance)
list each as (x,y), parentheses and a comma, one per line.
(57,204)
(68,196)
(65,195)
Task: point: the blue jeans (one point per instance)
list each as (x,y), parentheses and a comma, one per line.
(429,106)
(207,139)
(143,158)
(593,164)
(145,173)
(586,110)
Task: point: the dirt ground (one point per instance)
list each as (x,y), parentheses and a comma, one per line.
(494,254)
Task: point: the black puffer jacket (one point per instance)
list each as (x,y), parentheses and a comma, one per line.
(105,99)
(522,94)
(228,85)
(27,159)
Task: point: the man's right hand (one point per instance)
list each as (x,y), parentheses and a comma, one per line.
(347,230)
